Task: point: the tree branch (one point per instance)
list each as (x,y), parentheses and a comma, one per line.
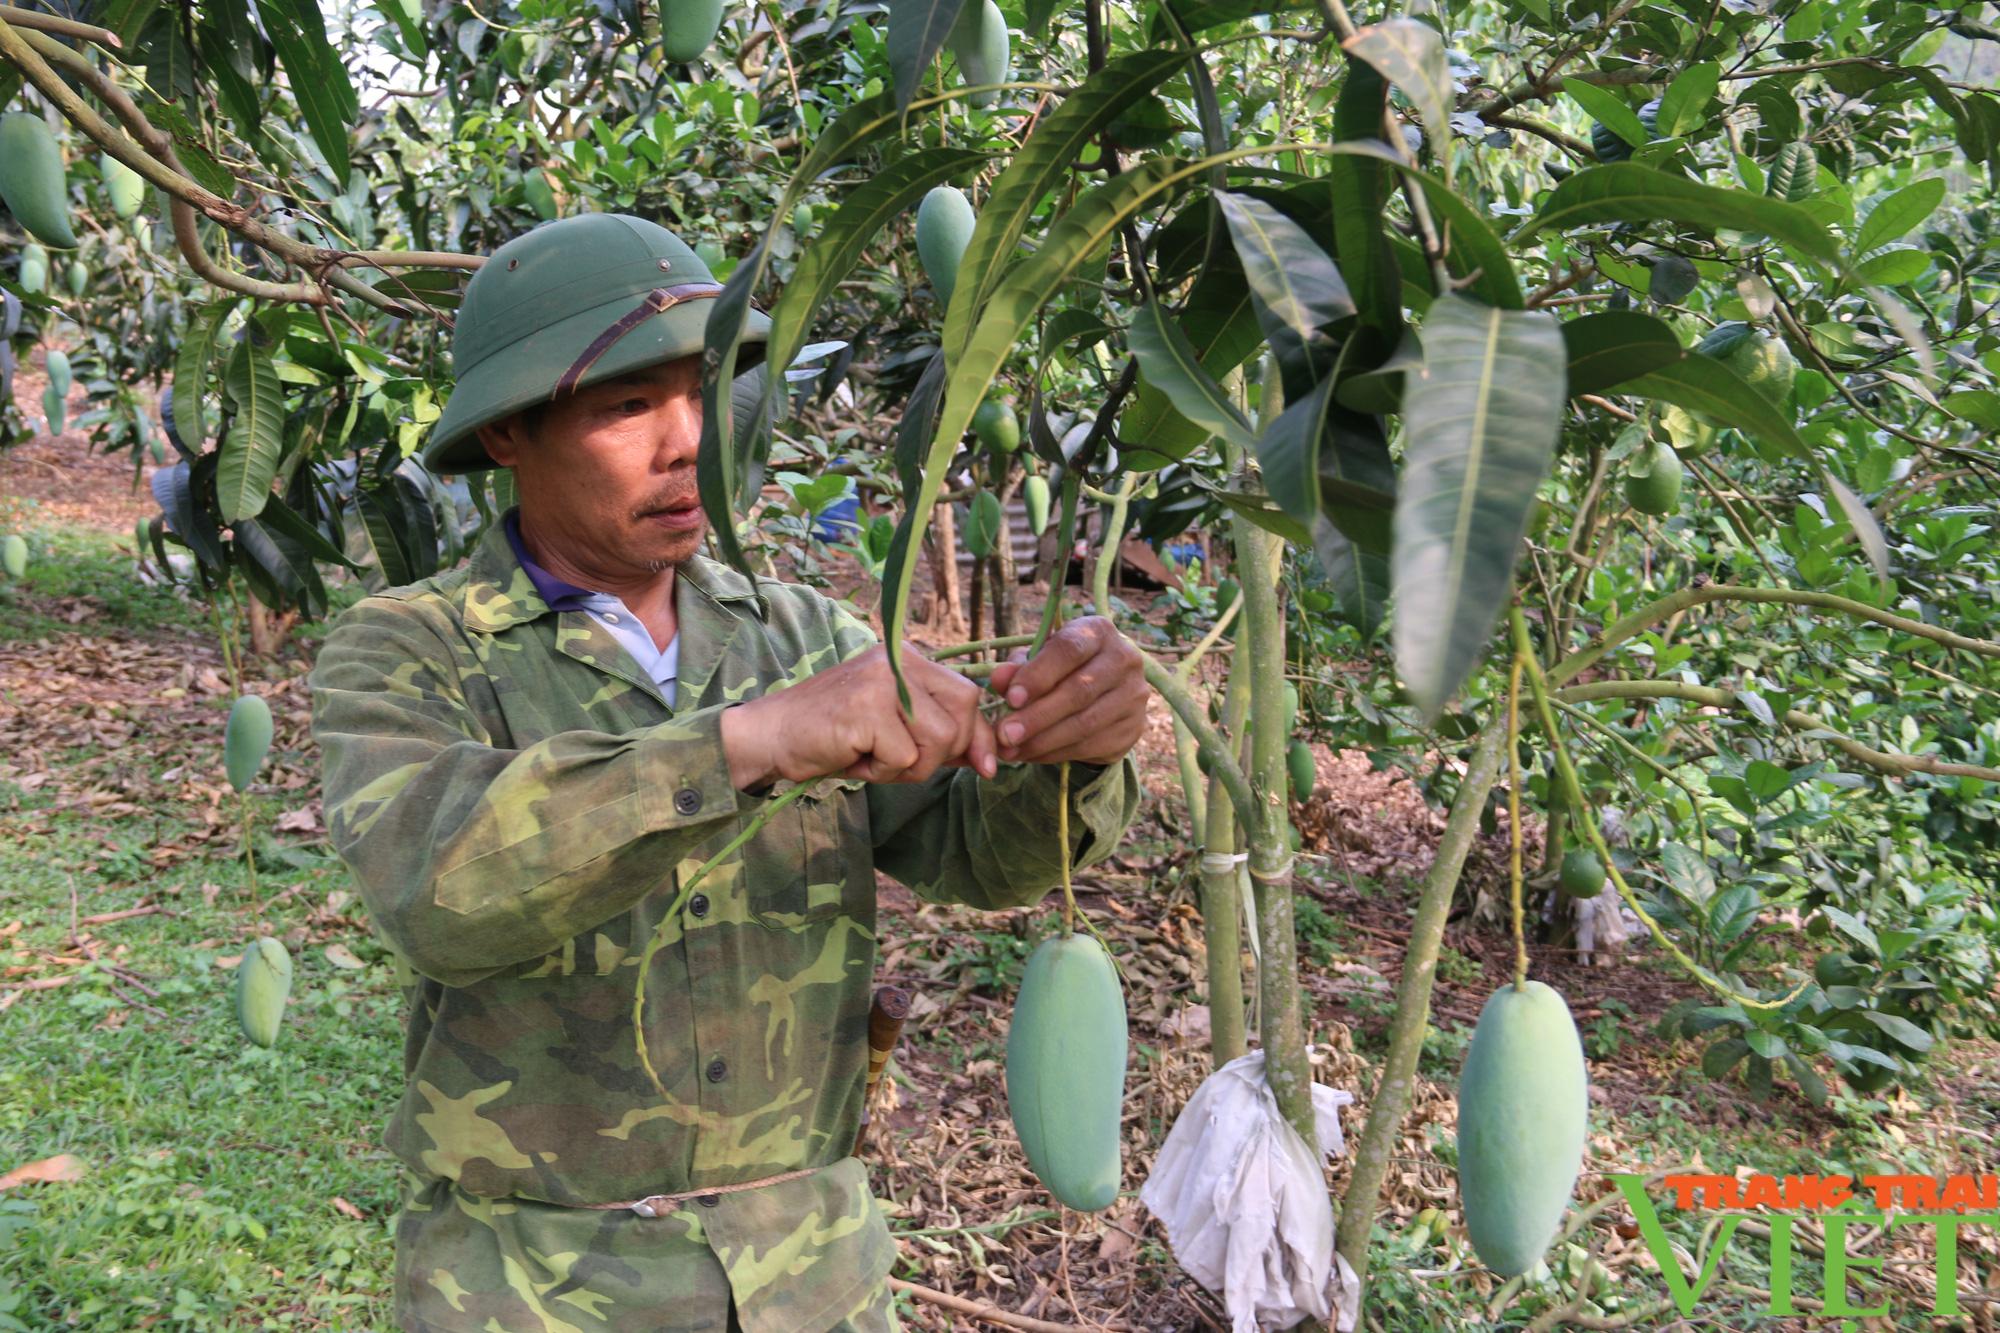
(1896,765)
(1654,612)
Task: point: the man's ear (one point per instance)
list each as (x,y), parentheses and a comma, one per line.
(504,439)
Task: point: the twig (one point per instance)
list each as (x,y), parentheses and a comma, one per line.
(61,27)
(977,1309)
(102,917)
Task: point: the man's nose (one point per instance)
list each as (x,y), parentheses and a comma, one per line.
(679,431)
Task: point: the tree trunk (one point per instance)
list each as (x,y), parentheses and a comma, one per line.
(1391,1100)
(947,611)
(1221,900)
(1006,585)
(268,631)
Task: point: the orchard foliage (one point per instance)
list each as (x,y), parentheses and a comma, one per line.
(1670,323)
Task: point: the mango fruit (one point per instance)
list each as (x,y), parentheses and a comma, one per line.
(997,427)
(944,228)
(984,522)
(1035,491)
(246,739)
(14,555)
(55,409)
(1657,490)
(1299,759)
(126,187)
(34,274)
(687,27)
(1582,874)
(1066,1052)
(32,182)
(981,42)
(263,983)
(1523,1103)
(57,365)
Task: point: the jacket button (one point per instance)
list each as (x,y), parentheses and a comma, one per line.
(687,800)
(718,1069)
(698,905)
(709,1200)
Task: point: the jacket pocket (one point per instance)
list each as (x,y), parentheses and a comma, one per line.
(803,867)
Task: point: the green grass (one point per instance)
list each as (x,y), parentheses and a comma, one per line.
(211,1164)
(67,562)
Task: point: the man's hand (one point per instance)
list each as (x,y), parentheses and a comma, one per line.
(849,720)
(1083,697)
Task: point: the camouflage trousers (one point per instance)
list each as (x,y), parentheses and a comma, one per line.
(466,1264)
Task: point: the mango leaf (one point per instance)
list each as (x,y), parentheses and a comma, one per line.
(285,562)
(1043,160)
(1902,1030)
(1630,192)
(191,367)
(1195,15)
(1359,191)
(256,439)
(920,412)
(1604,105)
(862,214)
(1613,346)
(1894,267)
(1410,54)
(282,518)
(318,80)
(1898,214)
(1168,360)
(1472,250)
(1320,460)
(1704,384)
(1220,323)
(917,29)
(1296,290)
(1684,105)
(1481,424)
(385,543)
(1360,578)
(174,489)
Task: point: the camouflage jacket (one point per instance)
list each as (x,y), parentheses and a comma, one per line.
(517,805)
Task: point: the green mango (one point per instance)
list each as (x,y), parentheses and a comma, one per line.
(263,983)
(1657,490)
(997,427)
(981,42)
(246,739)
(1305,773)
(1523,1103)
(944,228)
(687,27)
(1066,1053)
(32,182)
(34,274)
(802,219)
(1035,491)
(14,555)
(1226,593)
(76,277)
(984,523)
(126,187)
(1582,873)
(55,409)
(60,378)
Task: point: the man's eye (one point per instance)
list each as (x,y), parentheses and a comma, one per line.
(633,406)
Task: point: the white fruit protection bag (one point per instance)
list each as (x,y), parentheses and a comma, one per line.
(1245,1205)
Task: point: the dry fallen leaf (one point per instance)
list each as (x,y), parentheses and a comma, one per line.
(343,957)
(347,1209)
(61,1167)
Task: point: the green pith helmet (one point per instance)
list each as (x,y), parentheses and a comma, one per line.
(568,304)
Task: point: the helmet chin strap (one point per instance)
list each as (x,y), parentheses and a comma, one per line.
(658,301)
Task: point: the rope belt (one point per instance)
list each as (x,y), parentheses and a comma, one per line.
(655,1204)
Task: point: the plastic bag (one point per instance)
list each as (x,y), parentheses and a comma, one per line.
(1245,1205)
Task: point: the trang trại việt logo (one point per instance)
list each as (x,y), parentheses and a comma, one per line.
(1838,1204)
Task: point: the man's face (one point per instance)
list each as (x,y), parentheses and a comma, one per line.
(608,473)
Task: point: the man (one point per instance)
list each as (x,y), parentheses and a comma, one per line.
(526,756)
